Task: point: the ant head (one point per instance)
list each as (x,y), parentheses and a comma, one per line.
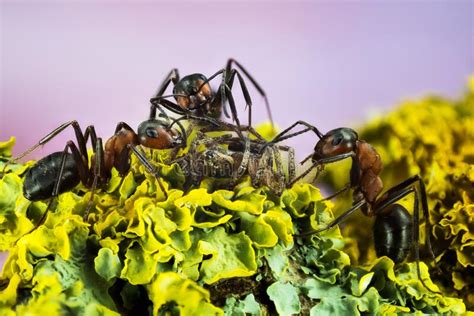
(156,134)
(192,91)
(336,142)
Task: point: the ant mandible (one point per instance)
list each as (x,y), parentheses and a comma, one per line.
(395,230)
(194,94)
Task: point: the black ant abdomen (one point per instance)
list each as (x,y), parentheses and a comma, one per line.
(393,233)
(42,177)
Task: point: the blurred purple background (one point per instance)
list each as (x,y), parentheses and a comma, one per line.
(332,64)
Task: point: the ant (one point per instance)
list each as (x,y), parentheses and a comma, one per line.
(395,230)
(242,156)
(193,94)
(61,171)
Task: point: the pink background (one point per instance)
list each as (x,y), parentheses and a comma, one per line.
(332,64)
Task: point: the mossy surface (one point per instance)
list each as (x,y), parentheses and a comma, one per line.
(206,251)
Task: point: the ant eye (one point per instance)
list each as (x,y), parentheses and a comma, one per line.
(151,132)
(337,140)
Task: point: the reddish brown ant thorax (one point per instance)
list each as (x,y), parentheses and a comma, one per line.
(370,166)
(116,149)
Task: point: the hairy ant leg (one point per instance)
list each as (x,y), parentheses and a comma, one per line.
(338,220)
(385,206)
(395,190)
(172,77)
(284,134)
(319,164)
(144,161)
(340,191)
(255,84)
(245,92)
(47,138)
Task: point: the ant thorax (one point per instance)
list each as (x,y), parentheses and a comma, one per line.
(366,169)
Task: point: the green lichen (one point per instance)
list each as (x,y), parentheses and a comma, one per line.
(201,252)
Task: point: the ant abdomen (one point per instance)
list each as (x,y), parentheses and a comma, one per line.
(41,178)
(393,233)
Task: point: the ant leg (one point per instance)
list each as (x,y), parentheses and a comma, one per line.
(222,71)
(233,108)
(387,200)
(306,158)
(144,161)
(245,92)
(282,135)
(227,93)
(98,172)
(321,162)
(184,133)
(424,205)
(343,189)
(78,158)
(416,232)
(186,115)
(254,82)
(229,127)
(309,127)
(426,215)
(239,128)
(302,175)
(338,220)
(173,76)
(220,96)
(123,125)
(171,106)
(79,136)
(221,125)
